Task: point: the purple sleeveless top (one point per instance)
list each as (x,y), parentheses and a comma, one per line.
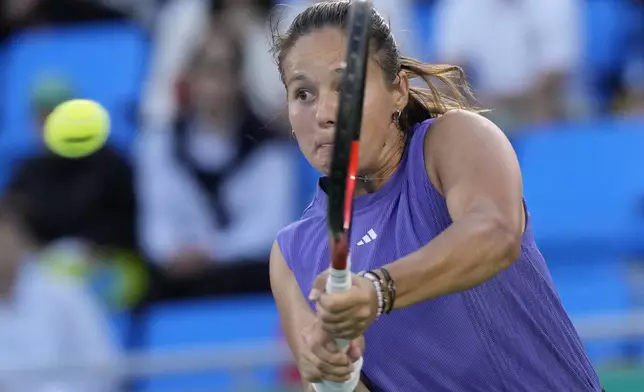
(508,334)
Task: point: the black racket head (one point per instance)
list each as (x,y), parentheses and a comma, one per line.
(349,119)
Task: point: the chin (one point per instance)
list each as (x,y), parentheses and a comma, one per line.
(324,169)
(322,162)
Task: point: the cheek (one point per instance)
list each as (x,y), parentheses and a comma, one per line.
(380,101)
(375,125)
(376,115)
(302,123)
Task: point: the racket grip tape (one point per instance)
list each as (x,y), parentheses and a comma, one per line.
(339,281)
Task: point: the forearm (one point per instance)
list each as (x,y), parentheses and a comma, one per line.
(294,332)
(468,253)
(308,387)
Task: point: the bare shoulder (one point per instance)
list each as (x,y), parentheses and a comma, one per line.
(457,124)
(462,136)
(276,259)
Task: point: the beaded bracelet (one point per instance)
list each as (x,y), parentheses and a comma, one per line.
(378,286)
(391,289)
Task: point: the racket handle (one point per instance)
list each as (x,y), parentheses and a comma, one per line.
(339,281)
(347,386)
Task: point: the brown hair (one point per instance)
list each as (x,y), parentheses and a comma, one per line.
(424,103)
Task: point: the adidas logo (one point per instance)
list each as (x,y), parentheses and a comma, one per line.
(367,238)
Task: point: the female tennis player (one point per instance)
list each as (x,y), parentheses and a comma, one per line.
(456,296)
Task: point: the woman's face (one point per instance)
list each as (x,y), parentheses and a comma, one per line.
(312,73)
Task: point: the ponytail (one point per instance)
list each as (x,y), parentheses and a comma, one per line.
(432,101)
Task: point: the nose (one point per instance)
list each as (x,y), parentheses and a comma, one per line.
(327,110)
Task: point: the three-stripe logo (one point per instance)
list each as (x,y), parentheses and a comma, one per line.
(367,238)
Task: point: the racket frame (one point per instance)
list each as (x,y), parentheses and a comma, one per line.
(346,147)
(344,164)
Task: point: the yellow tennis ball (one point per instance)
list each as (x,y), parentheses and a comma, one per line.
(76,128)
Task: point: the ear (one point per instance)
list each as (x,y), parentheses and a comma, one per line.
(401,90)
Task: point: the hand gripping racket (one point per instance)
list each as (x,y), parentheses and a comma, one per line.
(344,165)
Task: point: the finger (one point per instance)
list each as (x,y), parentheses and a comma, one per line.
(342,327)
(334,378)
(332,372)
(354,352)
(318,286)
(326,316)
(338,302)
(332,359)
(308,368)
(348,334)
(309,372)
(335,373)
(312,379)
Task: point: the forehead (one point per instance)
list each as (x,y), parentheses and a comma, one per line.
(320,50)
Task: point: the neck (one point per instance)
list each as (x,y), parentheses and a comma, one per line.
(370,181)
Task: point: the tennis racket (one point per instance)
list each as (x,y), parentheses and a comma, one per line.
(344,164)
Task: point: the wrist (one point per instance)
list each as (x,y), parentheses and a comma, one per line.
(377,291)
(388,286)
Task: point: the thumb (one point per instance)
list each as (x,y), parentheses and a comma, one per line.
(318,286)
(355,351)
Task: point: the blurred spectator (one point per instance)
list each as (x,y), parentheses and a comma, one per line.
(522,53)
(90,200)
(249,22)
(630,99)
(630,92)
(178,35)
(217,186)
(45,322)
(47,93)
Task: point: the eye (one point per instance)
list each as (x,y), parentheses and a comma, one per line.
(303,95)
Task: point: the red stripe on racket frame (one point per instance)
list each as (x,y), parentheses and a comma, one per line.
(340,244)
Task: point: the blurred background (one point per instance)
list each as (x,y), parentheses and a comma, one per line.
(144,267)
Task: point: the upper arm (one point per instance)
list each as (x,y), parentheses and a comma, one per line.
(474,166)
(294,311)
